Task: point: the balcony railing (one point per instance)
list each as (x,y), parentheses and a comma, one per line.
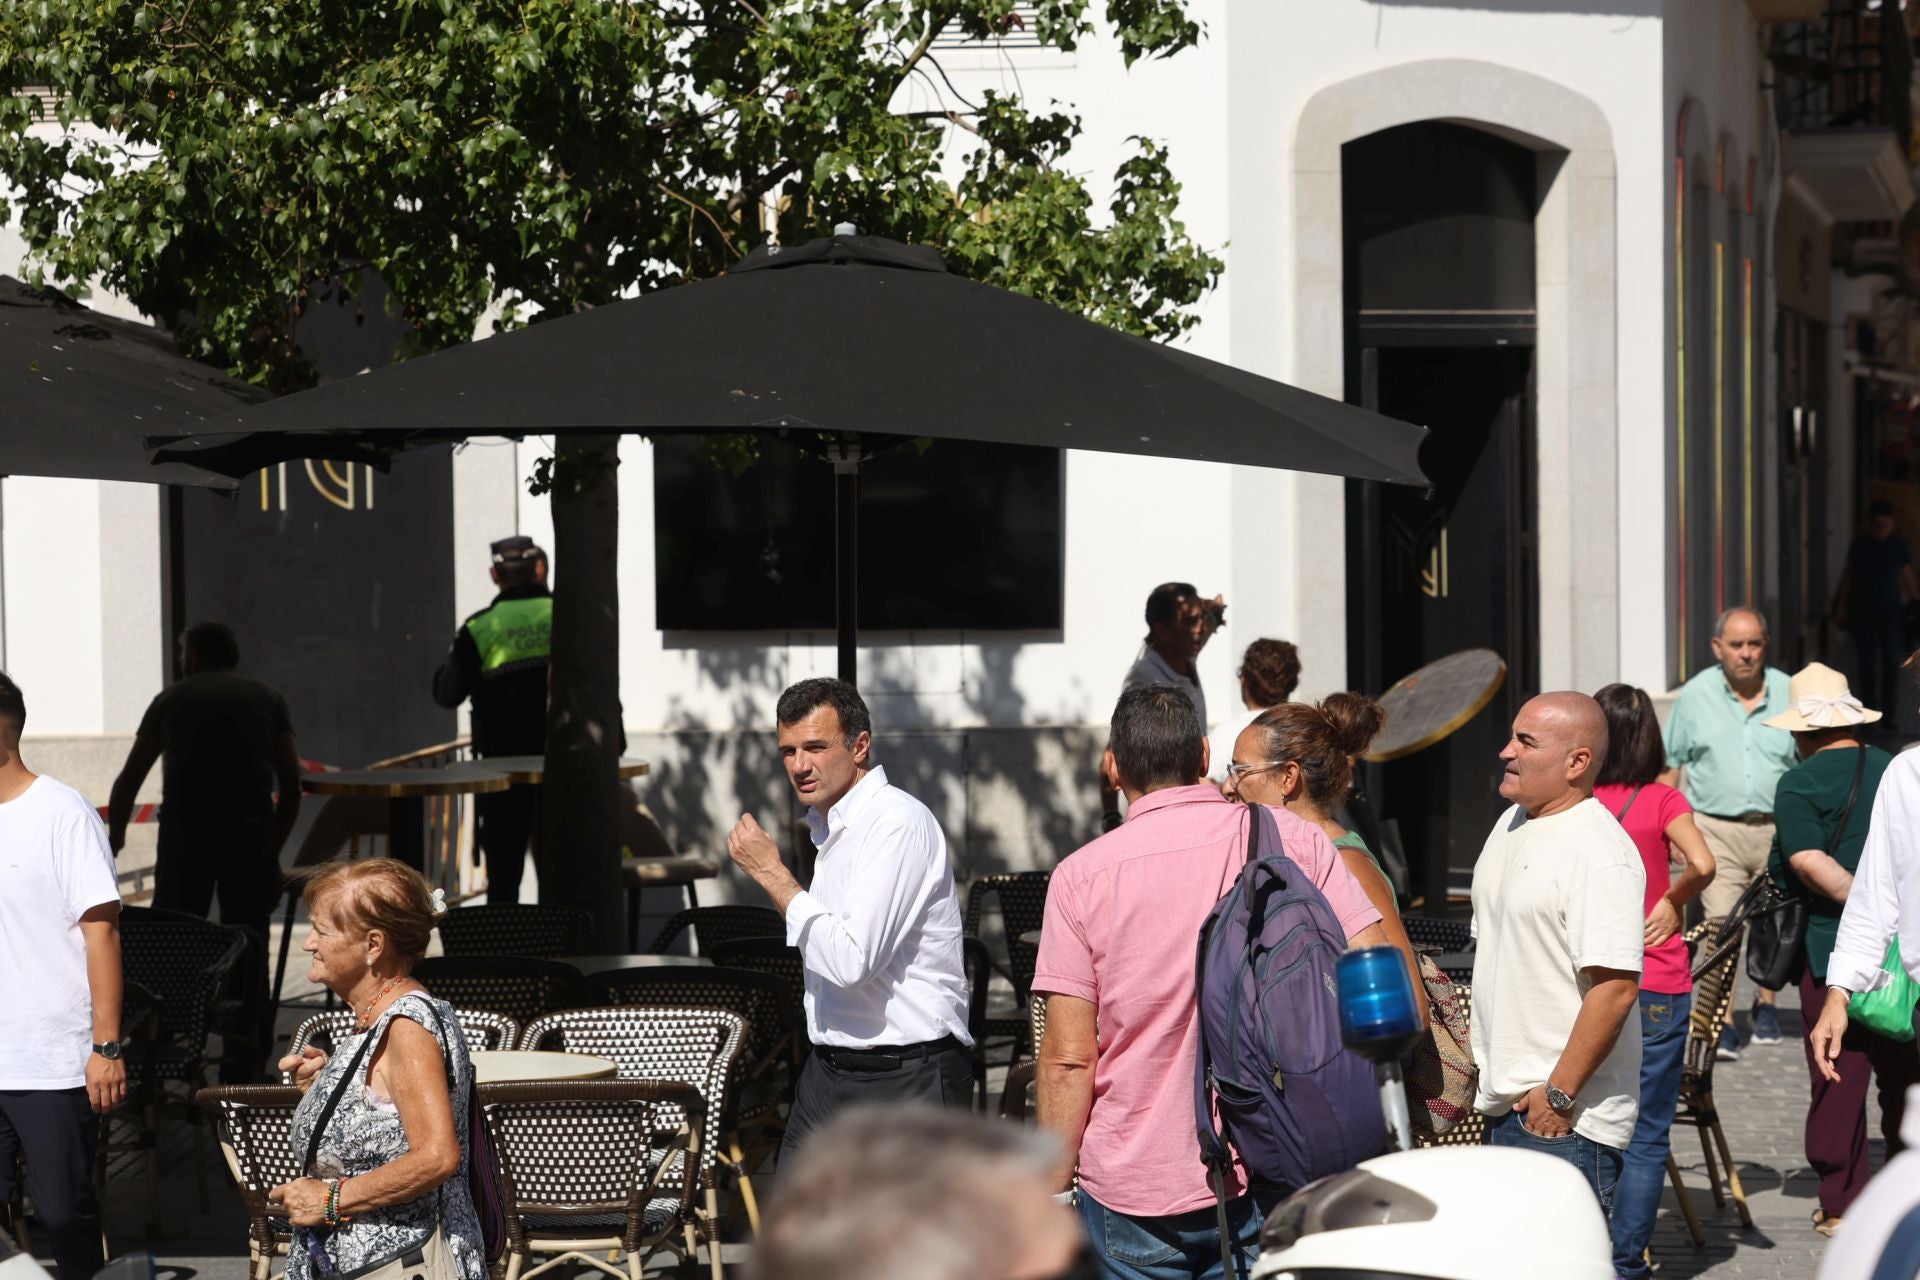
(1851,69)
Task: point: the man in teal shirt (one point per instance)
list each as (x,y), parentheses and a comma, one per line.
(1733,763)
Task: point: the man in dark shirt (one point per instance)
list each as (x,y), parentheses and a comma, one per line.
(1879,579)
(499,659)
(228,747)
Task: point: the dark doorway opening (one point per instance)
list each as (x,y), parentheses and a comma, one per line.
(1439,253)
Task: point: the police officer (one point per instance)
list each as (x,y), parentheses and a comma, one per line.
(499,659)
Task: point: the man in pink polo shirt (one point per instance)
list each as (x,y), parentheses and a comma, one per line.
(1117,954)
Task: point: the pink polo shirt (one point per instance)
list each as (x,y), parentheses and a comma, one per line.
(1122,925)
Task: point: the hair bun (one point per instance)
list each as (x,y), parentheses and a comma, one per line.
(1356,720)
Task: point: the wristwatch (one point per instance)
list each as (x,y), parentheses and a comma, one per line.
(110,1050)
(1558,1100)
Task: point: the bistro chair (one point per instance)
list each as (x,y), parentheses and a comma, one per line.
(978,964)
(714,925)
(1433,933)
(184,961)
(593,1166)
(1715,972)
(699,1047)
(1020,1077)
(254,1123)
(484,1030)
(517,987)
(1021,897)
(769,1061)
(516,929)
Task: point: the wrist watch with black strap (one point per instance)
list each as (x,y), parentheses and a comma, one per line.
(110,1050)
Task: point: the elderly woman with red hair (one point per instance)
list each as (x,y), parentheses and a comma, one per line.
(381,1133)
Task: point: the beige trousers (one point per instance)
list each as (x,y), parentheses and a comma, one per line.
(1739,858)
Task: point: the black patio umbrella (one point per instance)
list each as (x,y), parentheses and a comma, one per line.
(861,339)
(81,391)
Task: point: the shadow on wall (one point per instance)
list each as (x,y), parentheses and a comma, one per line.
(1010,797)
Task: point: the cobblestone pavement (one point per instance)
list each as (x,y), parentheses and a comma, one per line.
(1762,1100)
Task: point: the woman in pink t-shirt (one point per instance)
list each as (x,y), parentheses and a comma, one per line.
(1656,816)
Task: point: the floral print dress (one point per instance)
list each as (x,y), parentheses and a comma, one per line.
(364,1133)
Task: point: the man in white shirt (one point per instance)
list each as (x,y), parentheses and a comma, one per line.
(880,927)
(60,1061)
(1557,897)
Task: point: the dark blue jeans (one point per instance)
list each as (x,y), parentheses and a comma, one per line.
(1597,1163)
(1636,1200)
(1180,1246)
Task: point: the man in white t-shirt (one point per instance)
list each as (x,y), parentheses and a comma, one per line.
(60,1062)
(1557,897)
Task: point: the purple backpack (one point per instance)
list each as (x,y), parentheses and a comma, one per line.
(1294,1100)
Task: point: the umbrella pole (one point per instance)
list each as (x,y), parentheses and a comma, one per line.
(846,567)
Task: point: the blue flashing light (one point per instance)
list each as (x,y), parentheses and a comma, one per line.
(1378,1017)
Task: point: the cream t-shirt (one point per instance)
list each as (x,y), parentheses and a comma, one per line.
(1552,897)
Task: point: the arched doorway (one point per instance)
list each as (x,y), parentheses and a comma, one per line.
(1440,328)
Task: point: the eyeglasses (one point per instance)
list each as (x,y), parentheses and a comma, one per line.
(1236,771)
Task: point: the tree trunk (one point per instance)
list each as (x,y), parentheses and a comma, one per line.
(583,792)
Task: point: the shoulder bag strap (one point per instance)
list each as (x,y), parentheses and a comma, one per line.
(1846,813)
(333,1101)
(1621,817)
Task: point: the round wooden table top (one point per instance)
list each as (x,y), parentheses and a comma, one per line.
(522,770)
(590,965)
(1425,707)
(502,1066)
(400,784)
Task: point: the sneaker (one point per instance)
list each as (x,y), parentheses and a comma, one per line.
(1766,1024)
(1728,1050)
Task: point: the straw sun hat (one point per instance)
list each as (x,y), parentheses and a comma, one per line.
(1821,700)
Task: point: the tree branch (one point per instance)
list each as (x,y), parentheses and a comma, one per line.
(703,212)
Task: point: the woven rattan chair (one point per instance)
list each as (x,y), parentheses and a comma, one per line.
(714,925)
(516,929)
(1022,900)
(1435,934)
(977,962)
(766,1069)
(1715,971)
(700,1047)
(771,956)
(516,986)
(184,961)
(254,1123)
(593,1166)
(485,1030)
(1013,1099)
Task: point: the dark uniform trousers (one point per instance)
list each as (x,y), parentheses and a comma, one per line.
(939,1072)
(509,825)
(56,1129)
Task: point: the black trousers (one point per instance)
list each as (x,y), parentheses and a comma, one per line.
(943,1078)
(237,863)
(57,1130)
(509,825)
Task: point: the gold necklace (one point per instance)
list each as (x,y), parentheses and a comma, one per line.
(366,1013)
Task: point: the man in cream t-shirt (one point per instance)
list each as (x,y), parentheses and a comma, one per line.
(1557,897)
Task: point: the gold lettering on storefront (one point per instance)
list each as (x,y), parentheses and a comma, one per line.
(334,482)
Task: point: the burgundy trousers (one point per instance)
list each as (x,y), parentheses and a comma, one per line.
(1837,1114)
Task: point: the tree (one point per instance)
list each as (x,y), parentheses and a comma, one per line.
(226,164)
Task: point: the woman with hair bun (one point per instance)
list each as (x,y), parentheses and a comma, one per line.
(1269,673)
(383,1161)
(1299,757)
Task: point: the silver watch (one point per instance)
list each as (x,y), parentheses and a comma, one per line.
(1557,1099)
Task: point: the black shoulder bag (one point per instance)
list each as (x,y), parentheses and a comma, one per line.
(1776,921)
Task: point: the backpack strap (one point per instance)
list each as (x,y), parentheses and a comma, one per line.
(1621,817)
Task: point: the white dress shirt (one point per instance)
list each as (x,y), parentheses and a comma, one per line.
(880,927)
(1885,897)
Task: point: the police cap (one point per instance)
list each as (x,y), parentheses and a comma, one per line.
(515,550)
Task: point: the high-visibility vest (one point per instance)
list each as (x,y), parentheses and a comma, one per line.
(513,635)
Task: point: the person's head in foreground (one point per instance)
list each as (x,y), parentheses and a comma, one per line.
(1636,753)
(1822,711)
(1155,741)
(371,921)
(516,562)
(1300,756)
(208,646)
(910,1192)
(1554,757)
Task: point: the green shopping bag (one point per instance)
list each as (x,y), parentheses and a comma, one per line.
(1888,1009)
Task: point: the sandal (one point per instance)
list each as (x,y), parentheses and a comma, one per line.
(1825,1224)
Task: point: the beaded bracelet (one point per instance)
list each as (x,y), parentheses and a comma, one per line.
(333,1216)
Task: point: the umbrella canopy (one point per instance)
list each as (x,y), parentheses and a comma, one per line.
(853,334)
(82,392)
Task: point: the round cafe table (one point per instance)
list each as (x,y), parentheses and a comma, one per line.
(502,1066)
(532,770)
(1031,937)
(406,792)
(590,965)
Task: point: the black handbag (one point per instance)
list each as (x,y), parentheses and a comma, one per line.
(1776,921)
